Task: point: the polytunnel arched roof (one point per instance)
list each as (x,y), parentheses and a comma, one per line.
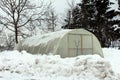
(38,39)
(57,43)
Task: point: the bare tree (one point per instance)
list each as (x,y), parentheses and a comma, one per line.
(71,4)
(17,14)
(68,17)
(51,18)
(77,44)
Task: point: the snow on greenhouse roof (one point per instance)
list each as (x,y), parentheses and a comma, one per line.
(36,40)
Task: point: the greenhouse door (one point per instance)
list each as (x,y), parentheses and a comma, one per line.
(79,44)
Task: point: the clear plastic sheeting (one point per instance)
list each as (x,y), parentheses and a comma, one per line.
(66,43)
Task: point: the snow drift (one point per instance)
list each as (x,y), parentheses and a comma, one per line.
(24,66)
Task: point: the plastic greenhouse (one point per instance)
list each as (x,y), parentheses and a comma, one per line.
(66,43)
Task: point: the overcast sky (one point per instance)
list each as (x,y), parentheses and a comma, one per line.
(61,5)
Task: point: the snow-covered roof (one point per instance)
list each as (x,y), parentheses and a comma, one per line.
(35,40)
(63,40)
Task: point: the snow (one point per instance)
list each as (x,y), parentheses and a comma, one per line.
(114,6)
(116,27)
(113,56)
(117,17)
(16,65)
(36,40)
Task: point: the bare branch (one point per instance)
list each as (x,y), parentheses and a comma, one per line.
(22,14)
(71,4)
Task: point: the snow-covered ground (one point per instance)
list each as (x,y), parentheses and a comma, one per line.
(113,56)
(16,65)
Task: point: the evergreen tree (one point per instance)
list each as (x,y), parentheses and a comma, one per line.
(101,21)
(68,21)
(114,23)
(95,16)
(90,14)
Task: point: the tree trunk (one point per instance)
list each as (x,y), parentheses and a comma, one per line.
(16,34)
